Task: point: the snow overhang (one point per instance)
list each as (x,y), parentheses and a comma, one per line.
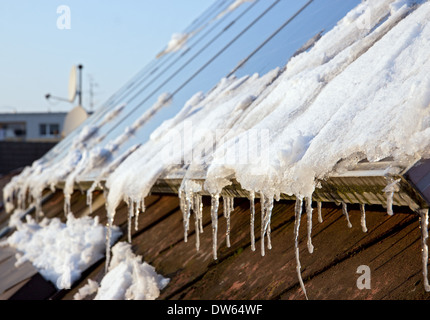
(365,184)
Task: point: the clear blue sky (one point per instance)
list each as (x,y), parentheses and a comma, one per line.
(112,39)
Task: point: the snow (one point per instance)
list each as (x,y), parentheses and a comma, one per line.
(60,251)
(128,278)
(176,43)
(361,92)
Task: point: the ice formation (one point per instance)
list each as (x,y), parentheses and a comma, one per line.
(60,251)
(361,92)
(363,217)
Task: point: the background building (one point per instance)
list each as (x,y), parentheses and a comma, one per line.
(28,127)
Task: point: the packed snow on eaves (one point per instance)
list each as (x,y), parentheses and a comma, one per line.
(361,92)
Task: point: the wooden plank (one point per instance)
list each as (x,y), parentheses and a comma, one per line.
(10,275)
(247,275)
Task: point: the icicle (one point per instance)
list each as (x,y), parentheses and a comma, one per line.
(228,208)
(252,209)
(90,200)
(424,222)
(201,214)
(214,217)
(262,201)
(266,213)
(109,224)
(309,216)
(139,207)
(186,214)
(38,206)
(66,207)
(319,205)
(389,191)
(298,214)
(269,208)
(363,217)
(90,191)
(268,234)
(345,212)
(198,214)
(130,203)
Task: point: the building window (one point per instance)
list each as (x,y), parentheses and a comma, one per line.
(49,130)
(54,129)
(42,129)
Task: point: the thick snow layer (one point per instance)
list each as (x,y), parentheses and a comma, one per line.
(361,92)
(59,251)
(128,278)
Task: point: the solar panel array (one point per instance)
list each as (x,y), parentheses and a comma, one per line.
(255,37)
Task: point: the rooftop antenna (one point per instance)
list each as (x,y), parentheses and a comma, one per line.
(78,114)
(91,92)
(75,86)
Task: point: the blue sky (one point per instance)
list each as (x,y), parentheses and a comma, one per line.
(112,39)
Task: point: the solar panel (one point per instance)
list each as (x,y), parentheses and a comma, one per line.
(257,36)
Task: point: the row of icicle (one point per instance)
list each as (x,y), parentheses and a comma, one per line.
(191,202)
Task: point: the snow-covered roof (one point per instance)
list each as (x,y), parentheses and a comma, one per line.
(361,93)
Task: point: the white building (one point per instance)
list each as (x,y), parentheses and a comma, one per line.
(41,126)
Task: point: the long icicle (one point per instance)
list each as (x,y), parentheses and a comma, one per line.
(319,206)
(267,222)
(228,208)
(262,208)
(186,215)
(214,217)
(198,218)
(345,212)
(109,225)
(424,222)
(298,213)
(130,203)
(363,217)
(252,218)
(308,202)
(140,207)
